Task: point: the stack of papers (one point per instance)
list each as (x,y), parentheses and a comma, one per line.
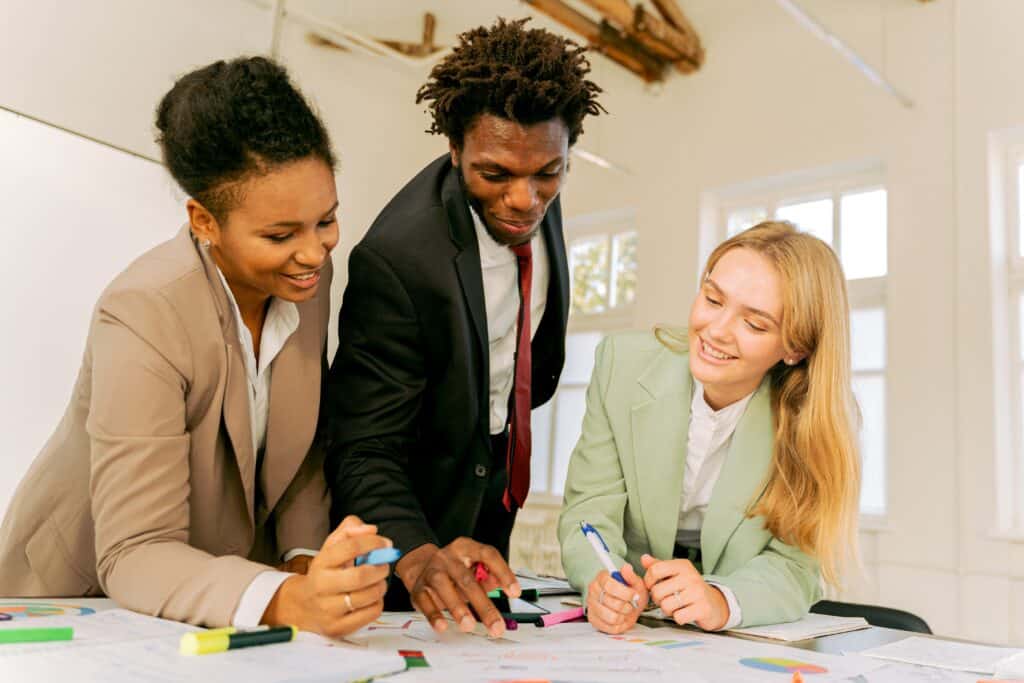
(944,654)
(811,626)
(545,585)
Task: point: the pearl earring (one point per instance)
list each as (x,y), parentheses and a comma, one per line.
(205,243)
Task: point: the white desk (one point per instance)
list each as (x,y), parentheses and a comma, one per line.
(832,645)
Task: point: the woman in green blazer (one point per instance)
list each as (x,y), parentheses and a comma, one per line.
(720,461)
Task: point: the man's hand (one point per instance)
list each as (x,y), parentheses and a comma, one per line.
(441,579)
(681,592)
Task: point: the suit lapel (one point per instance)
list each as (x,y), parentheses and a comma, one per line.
(294,406)
(558,289)
(467,260)
(742,478)
(660,423)
(236,384)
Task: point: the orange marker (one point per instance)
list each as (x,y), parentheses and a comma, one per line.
(797,677)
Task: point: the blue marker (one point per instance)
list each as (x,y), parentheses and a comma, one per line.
(601,549)
(379,556)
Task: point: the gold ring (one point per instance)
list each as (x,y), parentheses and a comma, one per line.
(348,602)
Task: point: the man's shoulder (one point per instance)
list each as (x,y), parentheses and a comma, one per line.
(418,206)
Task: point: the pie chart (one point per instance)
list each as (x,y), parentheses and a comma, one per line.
(21,610)
(779,665)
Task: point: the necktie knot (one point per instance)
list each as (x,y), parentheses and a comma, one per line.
(523,251)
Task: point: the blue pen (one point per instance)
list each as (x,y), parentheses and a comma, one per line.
(379,556)
(601,549)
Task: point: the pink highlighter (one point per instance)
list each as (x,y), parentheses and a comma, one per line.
(575,614)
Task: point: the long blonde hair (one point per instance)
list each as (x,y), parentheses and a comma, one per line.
(810,498)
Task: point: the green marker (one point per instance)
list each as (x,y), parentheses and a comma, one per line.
(528,594)
(35,635)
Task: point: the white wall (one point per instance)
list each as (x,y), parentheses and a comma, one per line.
(771,99)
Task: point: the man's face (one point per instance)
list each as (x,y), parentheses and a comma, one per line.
(512,173)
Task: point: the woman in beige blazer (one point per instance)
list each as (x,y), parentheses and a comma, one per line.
(184,471)
(719,462)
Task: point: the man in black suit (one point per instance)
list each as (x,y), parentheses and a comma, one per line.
(453,323)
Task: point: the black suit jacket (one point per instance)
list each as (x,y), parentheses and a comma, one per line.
(408,393)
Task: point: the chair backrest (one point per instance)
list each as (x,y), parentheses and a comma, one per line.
(886,617)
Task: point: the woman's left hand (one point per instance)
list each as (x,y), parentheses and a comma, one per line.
(680,591)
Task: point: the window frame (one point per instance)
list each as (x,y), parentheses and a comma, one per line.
(863,293)
(606,224)
(1012,501)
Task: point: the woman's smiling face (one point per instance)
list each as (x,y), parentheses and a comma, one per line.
(735,328)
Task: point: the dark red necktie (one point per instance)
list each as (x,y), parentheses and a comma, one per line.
(518,464)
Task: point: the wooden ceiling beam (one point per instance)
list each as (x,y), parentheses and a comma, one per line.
(683,49)
(605,38)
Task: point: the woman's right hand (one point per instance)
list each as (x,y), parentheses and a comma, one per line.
(334,597)
(613,607)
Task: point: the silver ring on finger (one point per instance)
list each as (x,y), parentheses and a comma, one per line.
(679,599)
(348,603)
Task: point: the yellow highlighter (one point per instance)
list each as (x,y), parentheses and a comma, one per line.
(224,639)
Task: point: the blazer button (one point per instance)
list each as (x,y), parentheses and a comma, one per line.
(481,471)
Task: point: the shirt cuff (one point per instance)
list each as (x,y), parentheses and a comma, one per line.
(295,552)
(257,597)
(735,613)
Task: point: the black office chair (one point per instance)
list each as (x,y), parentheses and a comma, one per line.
(886,617)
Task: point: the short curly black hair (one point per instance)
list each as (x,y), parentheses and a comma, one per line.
(525,75)
(230,120)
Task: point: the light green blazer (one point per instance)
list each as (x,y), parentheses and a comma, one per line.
(626,478)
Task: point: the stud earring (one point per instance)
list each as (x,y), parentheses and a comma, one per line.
(205,243)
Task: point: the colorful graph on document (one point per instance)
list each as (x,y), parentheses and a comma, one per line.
(663,644)
(21,610)
(779,665)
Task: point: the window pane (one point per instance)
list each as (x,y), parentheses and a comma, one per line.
(540,452)
(624,277)
(867,338)
(870,393)
(1020,210)
(579,356)
(862,217)
(568,426)
(814,217)
(741,219)
(588,261)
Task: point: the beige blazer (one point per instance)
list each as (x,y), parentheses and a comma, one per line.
(147,491)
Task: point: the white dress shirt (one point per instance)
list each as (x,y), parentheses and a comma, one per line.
(710,435)
(280,323)
(501,300)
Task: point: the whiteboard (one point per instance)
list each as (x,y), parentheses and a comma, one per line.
(75,213)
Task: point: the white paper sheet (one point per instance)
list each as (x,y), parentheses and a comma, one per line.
(811,626)
(157,660)
(909,673)
(110,626)
(942,654)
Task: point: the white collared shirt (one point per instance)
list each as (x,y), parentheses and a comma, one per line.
(707,445)
(280,323)
(501,300)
